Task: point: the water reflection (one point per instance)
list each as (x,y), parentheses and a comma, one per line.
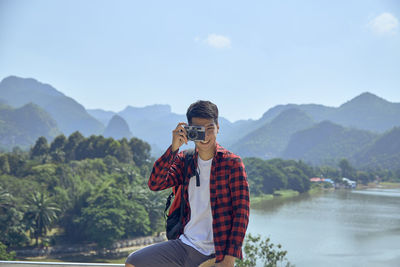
(379,192)
(273,205)
(339,228)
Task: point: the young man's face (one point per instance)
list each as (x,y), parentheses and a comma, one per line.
(208,145)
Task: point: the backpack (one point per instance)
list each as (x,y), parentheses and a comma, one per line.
(176,212)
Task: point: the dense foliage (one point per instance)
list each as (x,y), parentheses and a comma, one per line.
(268,176)
(258,250)
(78,190)
(94,189)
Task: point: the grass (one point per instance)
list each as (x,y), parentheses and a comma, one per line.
(389,185)
(260,200)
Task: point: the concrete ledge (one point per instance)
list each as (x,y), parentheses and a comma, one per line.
(209,263)
(55,264)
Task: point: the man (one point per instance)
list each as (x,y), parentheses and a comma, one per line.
(217,206)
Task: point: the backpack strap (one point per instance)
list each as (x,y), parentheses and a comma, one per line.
(188,154)
(188,158)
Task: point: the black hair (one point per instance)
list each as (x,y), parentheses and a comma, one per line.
(202,109)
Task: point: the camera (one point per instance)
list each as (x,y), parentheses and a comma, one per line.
(196,133)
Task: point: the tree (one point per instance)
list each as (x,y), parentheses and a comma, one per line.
(85,149)
(41,148)
(73,141)
(4,255)
(56,149)
(329,172)
(254,170)
(257,249)
(4,165)
(42,212)
(5,199)
(109,216)
(11,229)
(124,153)
(273,179)
(346,169)
(364,177)
(152,202)
(58,143)
(296,179)
(45,175)
(140,150)
(112,147)
(17,162)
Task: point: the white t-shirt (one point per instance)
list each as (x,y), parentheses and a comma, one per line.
(198,232)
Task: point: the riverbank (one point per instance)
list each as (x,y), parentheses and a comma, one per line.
(284,195)
(381,185)
(280,195)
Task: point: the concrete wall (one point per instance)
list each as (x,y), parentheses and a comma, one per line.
(54,264)
(209,263)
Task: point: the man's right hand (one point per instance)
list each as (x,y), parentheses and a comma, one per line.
(179,136)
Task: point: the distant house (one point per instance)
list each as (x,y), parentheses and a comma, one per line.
(322,180)
(316,180)
(329,181)
(349,183)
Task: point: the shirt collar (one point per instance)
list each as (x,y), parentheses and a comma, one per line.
(219,151)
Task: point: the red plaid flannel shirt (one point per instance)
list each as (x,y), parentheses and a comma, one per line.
(229,195)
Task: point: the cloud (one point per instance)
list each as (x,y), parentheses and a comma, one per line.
(384,24)
(216,41)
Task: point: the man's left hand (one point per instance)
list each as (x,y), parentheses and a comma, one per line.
(229,261)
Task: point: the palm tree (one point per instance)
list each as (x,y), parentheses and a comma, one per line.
(42,212)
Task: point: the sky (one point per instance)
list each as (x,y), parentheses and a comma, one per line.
(245,56)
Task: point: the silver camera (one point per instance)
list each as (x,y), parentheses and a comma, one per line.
(196,133)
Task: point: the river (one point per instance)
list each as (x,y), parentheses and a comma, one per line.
(337,228)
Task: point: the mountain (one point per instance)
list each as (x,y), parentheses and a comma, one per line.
(69,114)
(284,130)
(316,112)
(368,111)
(326,143)
(154,124)
(271,139)
(117,128)
(102,116)
(230,132)
(384,152)
(22,126)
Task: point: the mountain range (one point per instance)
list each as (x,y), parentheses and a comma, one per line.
(23,126)
(314,133)
(68,113)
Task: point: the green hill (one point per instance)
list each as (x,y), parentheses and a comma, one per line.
(117,128)
(271,139)
(69,114)
(327,142)
(383,153)
(368,111)
(22,126)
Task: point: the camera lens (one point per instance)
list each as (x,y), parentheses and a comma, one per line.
(192,134)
